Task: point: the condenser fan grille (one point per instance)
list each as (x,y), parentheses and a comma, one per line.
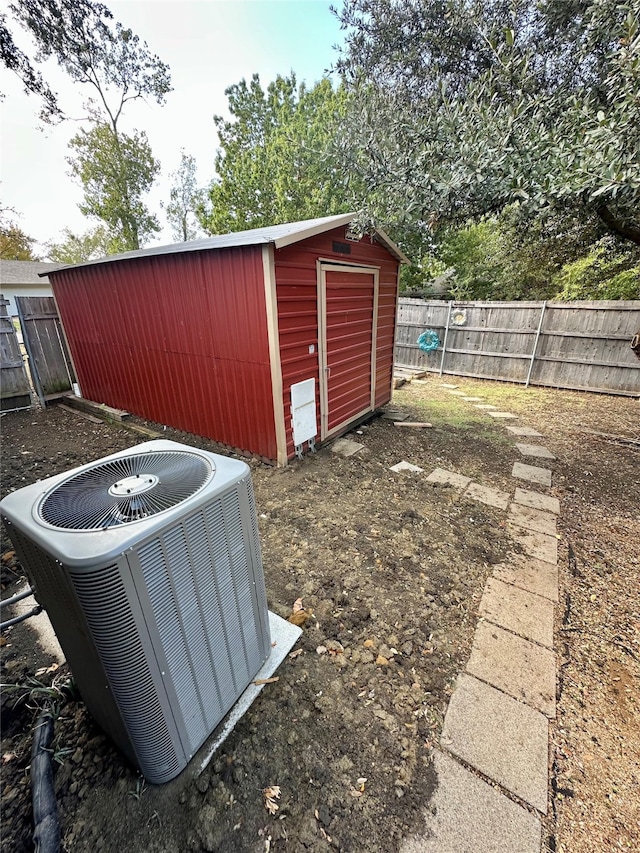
(125,490)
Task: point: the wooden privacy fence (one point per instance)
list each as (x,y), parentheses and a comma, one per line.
(14,382)
(579,345)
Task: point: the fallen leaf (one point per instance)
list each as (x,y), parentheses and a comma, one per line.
(8,556)
(47,669)
(267,680)
(295,654)
(360,783)
(270,795)
(300,617)
(3,641)
(355,793)
(321,650)
(8,756)
(297,605)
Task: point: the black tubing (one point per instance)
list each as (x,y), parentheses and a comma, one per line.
(33,612)
(46,827)
(18,597)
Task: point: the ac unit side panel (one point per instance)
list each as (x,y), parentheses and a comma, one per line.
(257,571)
(195,589)
(55,593)
(112,611)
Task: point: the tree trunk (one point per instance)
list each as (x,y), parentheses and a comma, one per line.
(625,230)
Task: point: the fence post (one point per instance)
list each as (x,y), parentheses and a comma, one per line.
(444,344)
(535,344)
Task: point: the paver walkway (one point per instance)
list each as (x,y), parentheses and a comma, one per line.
(496,726)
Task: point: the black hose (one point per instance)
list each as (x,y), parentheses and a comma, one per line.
(46,826)
(18,597)
(33,612)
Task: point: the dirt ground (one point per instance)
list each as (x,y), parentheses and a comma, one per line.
(393,570)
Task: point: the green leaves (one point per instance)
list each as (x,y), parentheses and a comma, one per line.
(276,161)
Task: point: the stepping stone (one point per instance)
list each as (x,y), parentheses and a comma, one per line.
(491,497)
(447,385)
(536,450)
(346,447)
(522,669)
(537,501)
(537,545)
(448,478)
(457,393)
(532,474)
(466,814)
(394,415)
(485,406)
(528,615)
(500,737)
(472,399)
(528,573)
(533,519)
(406,466)
(525,431)
(502,415)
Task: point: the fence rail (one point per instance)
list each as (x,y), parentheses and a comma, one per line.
(584,346)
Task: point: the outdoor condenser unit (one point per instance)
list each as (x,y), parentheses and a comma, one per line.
(148,564)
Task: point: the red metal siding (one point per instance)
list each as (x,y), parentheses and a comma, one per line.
(178,339)
(296,281)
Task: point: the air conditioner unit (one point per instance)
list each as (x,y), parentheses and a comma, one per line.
(149,566)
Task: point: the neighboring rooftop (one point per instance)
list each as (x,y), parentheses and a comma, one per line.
(25,272)
(279,235)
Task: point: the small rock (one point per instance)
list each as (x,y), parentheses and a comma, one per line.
(382,661)
(77,756)
(369,644)
(406,648)
(202,783)
(321,650)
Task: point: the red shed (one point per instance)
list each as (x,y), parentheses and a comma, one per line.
(210,336)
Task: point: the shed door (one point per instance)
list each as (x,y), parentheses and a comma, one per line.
(348,321)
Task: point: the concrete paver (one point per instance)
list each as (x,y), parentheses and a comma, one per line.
(505,416)
(526,572)
(406,466)
(470,816)
(346,447)
(537,501)
(517,610)
(533,519)
(504,739)
(473,399)
(531,473)
(537,545)
(520,668)
(457,393)
(486,406)
(448,478)
(487,495)
(528,431)
(536,450)
(447,385)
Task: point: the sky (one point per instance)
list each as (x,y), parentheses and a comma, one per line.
(209,45)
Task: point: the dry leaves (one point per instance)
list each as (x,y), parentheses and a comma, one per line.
(270,795)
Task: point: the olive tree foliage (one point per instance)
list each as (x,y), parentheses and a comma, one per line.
(78,248)
(115,172)
(275,162)
(184,198)
(461,108)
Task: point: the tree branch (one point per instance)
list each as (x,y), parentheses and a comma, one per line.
(626,230)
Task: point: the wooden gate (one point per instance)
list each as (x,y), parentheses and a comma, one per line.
(49,360)
(14,381)
(348,311)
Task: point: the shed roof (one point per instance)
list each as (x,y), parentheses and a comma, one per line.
(279,235)
(24,272)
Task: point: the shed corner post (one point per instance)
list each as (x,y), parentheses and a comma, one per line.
(271,306)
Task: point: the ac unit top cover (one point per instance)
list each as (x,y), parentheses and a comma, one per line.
(94,513)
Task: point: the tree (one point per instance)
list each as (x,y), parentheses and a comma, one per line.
(185,197)
(117,68)
(17,61)
(15,245)
(115,171)
(275,161)
(112,61)
(462,108)
(78,248)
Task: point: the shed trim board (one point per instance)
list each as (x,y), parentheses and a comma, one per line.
(271,303)
(324,266)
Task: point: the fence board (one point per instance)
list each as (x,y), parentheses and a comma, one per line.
(579,345)
(14,381)
(49,359)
